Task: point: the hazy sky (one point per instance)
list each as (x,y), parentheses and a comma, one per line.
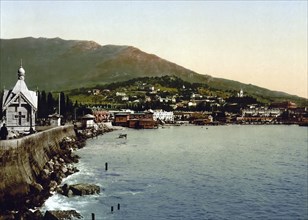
(258,42)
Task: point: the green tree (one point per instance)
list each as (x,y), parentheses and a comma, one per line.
(51,104)
(42,105)
(63,109)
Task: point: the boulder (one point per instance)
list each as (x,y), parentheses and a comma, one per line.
(36,187)
(52,185)
(84,189)
(62,215)
(45,172)
(64,169)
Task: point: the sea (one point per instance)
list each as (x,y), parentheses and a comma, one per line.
(194,172)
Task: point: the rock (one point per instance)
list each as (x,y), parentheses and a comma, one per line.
(37,215)
(64,169)
(84,189)
(62,175)
(56,167)
(55,176)
(69,193)
(44,179)
(36,187)
(53,185)
(45,172)
(65,190)
(62,215)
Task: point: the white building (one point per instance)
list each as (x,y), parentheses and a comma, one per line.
(20,105)
(262,112)
(192,104)
(120,94)
(55,119)
(88,121)
(125,98)
(240,94)
(163,116)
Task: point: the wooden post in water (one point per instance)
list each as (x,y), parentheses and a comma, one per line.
(106,166)
(93,216)
(118,206)
(111,208)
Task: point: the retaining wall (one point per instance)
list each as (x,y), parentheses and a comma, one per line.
(21,160)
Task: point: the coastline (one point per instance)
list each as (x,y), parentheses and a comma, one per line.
(43,177)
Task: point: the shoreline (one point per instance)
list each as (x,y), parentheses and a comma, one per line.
(47,182)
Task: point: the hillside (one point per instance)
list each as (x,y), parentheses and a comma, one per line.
(70,64)
(57,64)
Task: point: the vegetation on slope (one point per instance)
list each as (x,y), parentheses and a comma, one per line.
(170,86)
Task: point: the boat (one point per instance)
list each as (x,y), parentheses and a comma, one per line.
(123,136)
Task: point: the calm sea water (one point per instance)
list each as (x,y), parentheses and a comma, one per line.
(190,172)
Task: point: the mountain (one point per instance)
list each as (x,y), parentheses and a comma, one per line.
(57,64)
(70,64)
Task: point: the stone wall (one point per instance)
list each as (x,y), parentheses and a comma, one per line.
(21,160)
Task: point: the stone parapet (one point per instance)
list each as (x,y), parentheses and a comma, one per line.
(23,159)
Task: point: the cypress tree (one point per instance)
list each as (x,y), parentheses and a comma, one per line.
(62,105)
(42,105)
(50,104)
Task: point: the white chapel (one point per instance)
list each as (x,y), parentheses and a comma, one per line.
(20,105)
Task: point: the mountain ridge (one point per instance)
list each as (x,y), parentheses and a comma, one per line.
(55,64)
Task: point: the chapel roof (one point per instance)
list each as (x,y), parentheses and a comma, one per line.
(20,88)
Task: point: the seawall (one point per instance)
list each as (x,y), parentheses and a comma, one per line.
(22,160)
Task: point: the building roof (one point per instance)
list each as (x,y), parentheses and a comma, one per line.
(88,116)
(55,116)
(122,114)
(20,88)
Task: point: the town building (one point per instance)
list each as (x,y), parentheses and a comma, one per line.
(101,116)
(284,105)
(261,111)
(120,94)
(163,116)
(88,121)
(143,120)
(240,94)
(20,105)
(204,121)
(121,119)
(55,119)
(135,120)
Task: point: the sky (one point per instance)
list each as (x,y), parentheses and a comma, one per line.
(258,42)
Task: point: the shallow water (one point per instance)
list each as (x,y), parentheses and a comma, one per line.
(191,172)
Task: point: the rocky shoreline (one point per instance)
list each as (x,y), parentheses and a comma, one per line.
(48,181)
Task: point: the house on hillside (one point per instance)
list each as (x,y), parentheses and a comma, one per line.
(20,105)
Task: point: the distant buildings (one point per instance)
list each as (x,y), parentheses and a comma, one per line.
(163,116)
(135,120)
(284,105)
(101,116)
